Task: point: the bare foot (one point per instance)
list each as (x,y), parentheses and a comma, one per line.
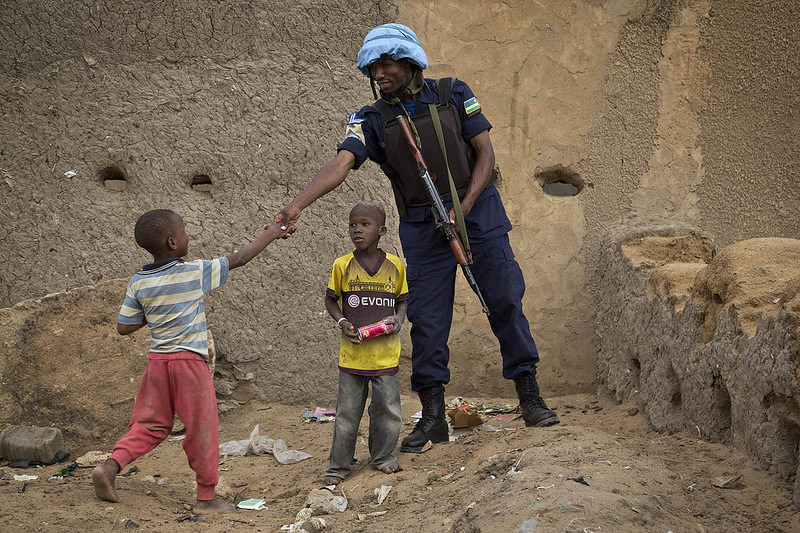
(103,480)
(212,507)
(391,468)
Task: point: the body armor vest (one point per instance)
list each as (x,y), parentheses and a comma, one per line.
(401,168)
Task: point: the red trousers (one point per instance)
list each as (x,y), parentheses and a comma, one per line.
(176,383)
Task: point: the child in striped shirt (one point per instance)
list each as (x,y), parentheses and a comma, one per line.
(167,296)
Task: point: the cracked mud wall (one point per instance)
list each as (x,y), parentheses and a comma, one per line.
(644,101)
(252,95)
(704,343)
(657,109)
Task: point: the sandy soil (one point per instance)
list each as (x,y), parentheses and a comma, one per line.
(638,480)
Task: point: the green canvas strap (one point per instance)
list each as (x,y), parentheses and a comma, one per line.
(462,227)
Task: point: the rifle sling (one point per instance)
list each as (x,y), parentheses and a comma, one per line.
(462,227)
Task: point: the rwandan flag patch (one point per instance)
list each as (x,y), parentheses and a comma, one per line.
(472,106)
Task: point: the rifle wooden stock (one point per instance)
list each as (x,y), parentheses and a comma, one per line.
(440,213)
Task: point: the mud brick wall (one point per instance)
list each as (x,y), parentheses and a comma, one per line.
(706,343)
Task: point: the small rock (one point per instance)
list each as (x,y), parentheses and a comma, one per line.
(93,458)
(727,482)
(321,501)
(633,411)
(497,465)
(311,524)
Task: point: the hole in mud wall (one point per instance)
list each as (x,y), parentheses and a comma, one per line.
(201,183)
(672,385)
(559,180)
(722,410)
(113,178)
(785,411)
(676,399)
(634,370)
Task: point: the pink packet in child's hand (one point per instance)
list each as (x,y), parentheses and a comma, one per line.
(375,329)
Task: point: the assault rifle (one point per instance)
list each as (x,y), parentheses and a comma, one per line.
(440,214)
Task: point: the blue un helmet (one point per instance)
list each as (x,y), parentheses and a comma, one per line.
(391,40)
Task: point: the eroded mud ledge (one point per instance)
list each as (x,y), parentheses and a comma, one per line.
(705,342)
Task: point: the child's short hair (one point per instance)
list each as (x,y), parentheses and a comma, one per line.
(380,214)
(154,228)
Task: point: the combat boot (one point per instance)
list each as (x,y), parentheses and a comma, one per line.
(432,426)
(534,411)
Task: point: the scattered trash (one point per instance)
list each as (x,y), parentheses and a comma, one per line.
(606,461)
(71,174)
(69,470)
(157,480)
(320,414)
(254,504)
(24,477)
(131,470)
(428,445)
(260,445)
(578,479)
(465,414)
(130,524)
(362,516)
(382,492)
(727,482)
(455,434)
(322,501)
(436,475)
(529,525)
(503,418)
(461,417)
(547,487)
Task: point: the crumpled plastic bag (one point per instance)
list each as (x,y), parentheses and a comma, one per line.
(260,445)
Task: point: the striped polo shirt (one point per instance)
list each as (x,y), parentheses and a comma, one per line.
(170,296)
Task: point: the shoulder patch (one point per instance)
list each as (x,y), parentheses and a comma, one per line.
(355,131)
(352,119)
(472,106)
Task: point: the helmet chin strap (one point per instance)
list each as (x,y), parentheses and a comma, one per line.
(414,87)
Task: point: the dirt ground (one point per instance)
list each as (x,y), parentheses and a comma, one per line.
(484,481)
